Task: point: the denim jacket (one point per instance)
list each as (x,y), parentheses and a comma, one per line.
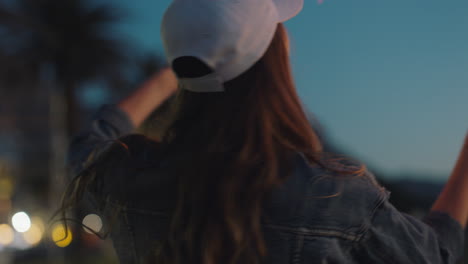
(312,218)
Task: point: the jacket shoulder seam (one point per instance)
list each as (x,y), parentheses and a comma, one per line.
(318,232)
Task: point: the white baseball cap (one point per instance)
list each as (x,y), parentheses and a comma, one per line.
(229,36)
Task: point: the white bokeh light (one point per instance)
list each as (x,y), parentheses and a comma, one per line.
(21,222)
(93,222)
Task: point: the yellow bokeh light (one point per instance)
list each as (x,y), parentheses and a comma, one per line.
(34,235)
(6,188)
(6,234)
(60,237)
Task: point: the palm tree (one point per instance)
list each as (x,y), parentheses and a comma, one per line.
(72,37)
(62,44)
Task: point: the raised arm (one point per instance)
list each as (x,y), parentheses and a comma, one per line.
(453,199)
(114,121)
(396,237)
(151,94)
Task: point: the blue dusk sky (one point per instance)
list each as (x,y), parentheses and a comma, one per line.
(388,79)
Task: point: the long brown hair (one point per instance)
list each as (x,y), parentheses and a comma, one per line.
(233,148)
(239,145)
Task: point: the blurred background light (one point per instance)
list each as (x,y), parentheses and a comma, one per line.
(19,242)
(93,222)
(39,223)
(60,237)
(5,205)
(6,234)
(34,235)
(6,188)
(21,222)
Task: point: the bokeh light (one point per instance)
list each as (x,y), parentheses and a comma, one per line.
(34,235)
(39,223)
(93,222)
(6,188)
(60,237)
(6,234)
(5,205)
(21,222)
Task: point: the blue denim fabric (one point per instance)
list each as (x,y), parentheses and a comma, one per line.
(314,217)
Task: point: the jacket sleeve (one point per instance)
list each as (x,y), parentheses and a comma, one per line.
(107,125)
(396,237)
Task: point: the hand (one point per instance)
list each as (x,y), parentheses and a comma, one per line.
(149,96)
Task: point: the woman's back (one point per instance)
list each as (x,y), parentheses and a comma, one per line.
(313,217)
(240,176)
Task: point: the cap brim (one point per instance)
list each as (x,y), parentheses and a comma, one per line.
(288,9)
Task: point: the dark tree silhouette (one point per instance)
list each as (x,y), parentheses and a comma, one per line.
(59,45)
(74,38)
